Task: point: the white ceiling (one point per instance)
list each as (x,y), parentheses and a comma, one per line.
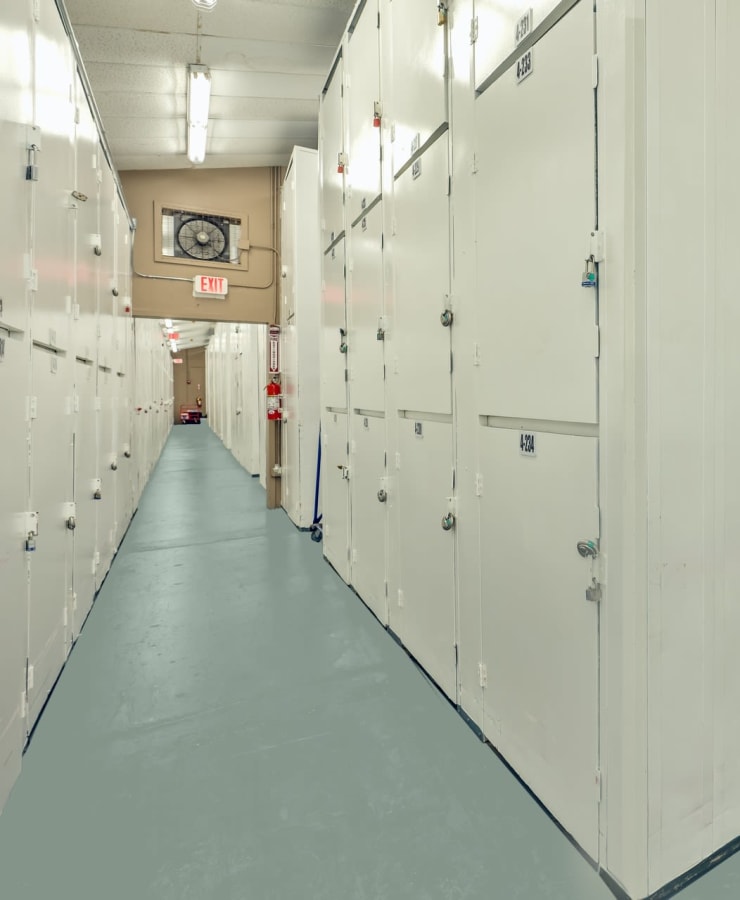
(268,60)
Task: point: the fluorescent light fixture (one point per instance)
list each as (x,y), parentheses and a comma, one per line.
(205,4)
(199,97)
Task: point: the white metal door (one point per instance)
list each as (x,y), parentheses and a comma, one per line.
(419,77)
(51,490)
(538,340)
(14,380)
(540,633)
(537,392)
(106,443)
(369,506)
(289,336)
(363,93)
(334,331)
(85,476)
(418,351)
(422,604)
(335,492)
(365,313)
(331,142)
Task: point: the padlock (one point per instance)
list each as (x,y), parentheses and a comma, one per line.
(441,13)
(376,114)
(588,279)
(30,542)
(593,593)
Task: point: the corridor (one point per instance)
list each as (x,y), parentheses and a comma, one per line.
(233,723)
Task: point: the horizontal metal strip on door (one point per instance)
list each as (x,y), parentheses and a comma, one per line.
(121,374)
(49,348)
(337,60)
(106,369)
(356,17)
(577,429)
(369,413)
(367,209)
(416,416)
(547,24)
(434,136)
(84,360)
(337,239)
(342,411)
(10,330)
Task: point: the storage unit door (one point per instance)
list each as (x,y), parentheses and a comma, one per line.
(334,331)
(418,353)
(369,493)
(85,477)
(363,92)
(14,379)
(419,83)
(51,490)
(331,143)
(539,630)
(422,612)
(366,358)
(106,444)
(335,492)
(535,214)
(15,137)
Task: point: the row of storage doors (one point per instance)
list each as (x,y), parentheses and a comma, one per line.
(75,452)
(460,429)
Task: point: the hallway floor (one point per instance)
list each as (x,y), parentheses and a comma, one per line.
(234,725)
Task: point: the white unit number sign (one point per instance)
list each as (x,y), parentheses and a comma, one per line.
(523,27)
(527,443)
(524,66)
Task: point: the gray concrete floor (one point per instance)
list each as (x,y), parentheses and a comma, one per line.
(233,724)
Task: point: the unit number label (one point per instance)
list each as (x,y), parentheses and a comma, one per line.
(523,27)
(527,444)
(524,66)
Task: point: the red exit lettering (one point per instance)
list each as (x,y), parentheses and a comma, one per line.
(211,284)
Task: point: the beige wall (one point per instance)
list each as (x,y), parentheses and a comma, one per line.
(190,380)
(251,194)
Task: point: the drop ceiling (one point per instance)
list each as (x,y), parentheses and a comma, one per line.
(268,60)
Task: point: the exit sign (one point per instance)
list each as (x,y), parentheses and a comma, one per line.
(210,286)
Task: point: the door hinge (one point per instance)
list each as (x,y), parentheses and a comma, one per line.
(24,705)
(474,29)
(483,674)
(597,782)
(595,71)
(33,407)
(597,246)
(478,484)
(29,677)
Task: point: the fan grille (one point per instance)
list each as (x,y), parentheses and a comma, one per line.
(201,239)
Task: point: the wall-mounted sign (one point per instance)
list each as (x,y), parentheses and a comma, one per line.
(274,350)
(210,286)
(177,360)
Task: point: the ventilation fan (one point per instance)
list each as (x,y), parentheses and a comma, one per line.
(188,235)
(201,239)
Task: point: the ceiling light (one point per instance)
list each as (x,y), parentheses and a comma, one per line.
(168,323)
(205,4)
(199,97)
